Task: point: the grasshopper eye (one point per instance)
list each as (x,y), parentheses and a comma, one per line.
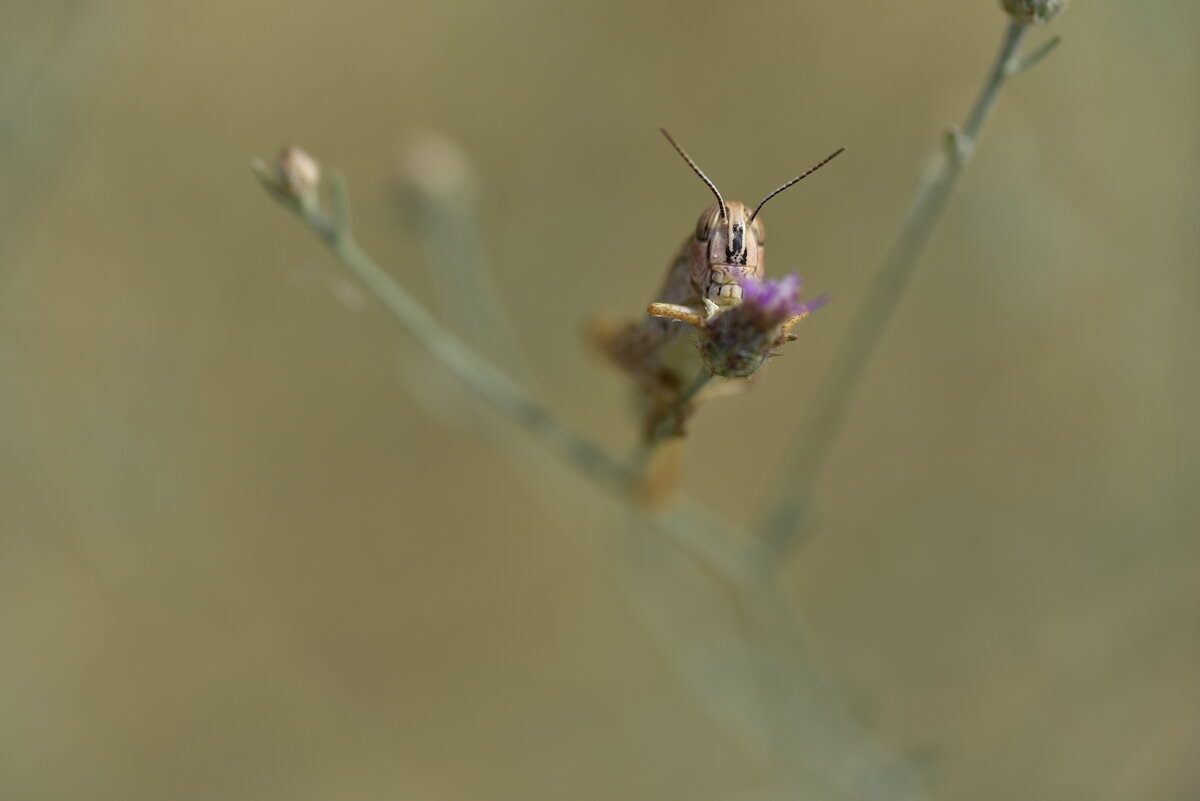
(708,221)
(756,230)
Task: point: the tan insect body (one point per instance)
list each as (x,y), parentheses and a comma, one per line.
(726,248)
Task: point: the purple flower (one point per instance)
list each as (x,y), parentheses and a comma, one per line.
(777,299)
(735,341)
(738,340)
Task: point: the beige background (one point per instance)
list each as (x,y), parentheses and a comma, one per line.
(253,548)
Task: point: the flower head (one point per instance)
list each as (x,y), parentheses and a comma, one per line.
(773,299)
(738,340)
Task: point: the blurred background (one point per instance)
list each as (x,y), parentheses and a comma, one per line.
(255,546)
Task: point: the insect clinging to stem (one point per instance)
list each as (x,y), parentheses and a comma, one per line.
(706,276)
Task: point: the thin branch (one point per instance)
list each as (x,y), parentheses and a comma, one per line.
(711,543)
(781,530)
(493,386)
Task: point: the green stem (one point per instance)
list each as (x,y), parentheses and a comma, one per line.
(493,386)
(781,530)
(708,539)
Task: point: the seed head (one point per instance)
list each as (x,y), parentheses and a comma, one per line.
(1034,11)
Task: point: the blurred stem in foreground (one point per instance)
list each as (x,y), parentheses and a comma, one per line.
(783,528)
(436,187)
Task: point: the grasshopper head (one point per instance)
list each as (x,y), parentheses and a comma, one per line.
(729,239)
(732,249)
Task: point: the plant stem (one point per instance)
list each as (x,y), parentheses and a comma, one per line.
(493,386)
(707,538)
(781,530)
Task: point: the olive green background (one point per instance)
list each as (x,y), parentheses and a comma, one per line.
(253,545)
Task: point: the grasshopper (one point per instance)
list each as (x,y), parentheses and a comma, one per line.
(705,276)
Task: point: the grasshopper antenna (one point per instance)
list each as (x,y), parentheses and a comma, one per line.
(711,185)
(804,174)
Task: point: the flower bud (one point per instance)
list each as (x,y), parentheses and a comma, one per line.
(1034,11)
(298,175)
